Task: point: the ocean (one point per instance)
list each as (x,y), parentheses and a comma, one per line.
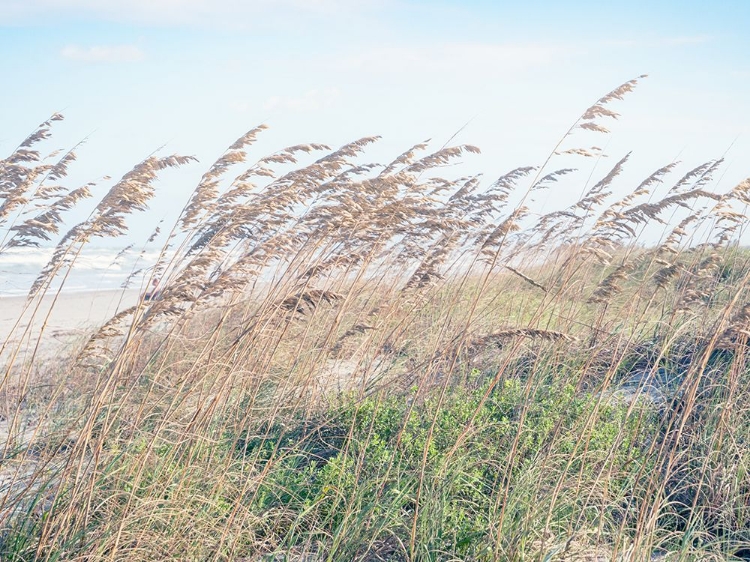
(96,269)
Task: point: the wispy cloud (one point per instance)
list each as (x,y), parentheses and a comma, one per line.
(454,58)
(311,100)
(687,40)
(103,53)
(669,41)
(232,13)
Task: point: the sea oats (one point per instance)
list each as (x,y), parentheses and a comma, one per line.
(113,328)
(592,152)
(672,242)
(696,177)
(610,285)
(17,178)
(207,189)
(131,193)
(614,211)
(308,300)
(405,158)
(46,224)
(665,274)
(439,158)
(532,333)
(498,234)
(599,109)
(551,178)
(309,315)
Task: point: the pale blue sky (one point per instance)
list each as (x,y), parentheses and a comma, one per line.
(195,74)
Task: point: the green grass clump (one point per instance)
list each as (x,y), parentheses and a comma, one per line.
(350,482)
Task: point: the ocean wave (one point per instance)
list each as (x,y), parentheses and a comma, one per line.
(94,269)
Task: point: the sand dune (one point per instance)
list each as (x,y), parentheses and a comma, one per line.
(65,319)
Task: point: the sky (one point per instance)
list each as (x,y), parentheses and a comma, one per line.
(510,77)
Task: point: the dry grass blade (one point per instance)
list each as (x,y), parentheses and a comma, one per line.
(526,278)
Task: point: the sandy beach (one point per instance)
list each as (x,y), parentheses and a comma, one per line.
(67,318)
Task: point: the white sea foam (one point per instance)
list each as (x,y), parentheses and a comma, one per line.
(93,269)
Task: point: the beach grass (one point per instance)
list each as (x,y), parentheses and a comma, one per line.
(339,360)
